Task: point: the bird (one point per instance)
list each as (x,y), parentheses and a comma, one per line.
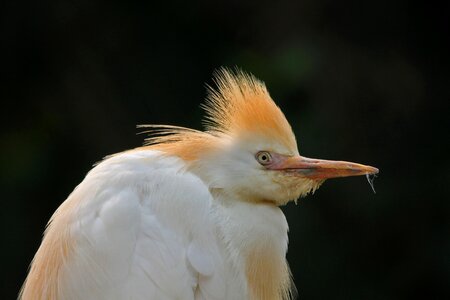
(191,214)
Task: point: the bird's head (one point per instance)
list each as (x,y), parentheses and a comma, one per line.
(248,149)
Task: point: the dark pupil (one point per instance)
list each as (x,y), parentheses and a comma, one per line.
(263,157)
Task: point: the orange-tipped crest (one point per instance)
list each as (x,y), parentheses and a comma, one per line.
(240,106)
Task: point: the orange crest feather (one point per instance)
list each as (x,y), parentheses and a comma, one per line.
(240,106)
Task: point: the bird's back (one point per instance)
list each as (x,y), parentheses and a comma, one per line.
(138,227)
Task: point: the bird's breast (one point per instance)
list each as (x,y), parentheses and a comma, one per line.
(258,232)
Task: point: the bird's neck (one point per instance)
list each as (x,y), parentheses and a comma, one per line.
(258,231)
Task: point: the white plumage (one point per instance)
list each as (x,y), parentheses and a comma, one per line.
(145,229)
(193,215)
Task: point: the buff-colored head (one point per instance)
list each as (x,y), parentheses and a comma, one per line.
(248,149)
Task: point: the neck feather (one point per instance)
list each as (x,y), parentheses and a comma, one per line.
(259,233)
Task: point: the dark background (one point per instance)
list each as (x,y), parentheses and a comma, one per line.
(364,81)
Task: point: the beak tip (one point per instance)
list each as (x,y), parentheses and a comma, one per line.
(374,170)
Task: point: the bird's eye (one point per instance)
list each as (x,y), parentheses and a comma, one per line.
(264,157)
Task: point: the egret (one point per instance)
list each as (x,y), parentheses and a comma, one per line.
(189,215)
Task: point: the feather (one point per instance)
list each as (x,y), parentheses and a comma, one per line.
(241,105)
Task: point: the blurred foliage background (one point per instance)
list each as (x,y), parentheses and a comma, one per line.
(364,81)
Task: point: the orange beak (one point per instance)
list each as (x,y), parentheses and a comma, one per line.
(320,169)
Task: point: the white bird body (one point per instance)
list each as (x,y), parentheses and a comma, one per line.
(193,215)
(147,228)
